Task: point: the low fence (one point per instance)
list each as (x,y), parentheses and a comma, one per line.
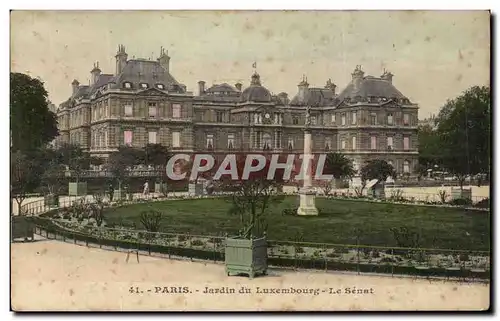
(284,254)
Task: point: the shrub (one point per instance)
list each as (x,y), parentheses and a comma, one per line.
(485,203)
(460,202)
(342,250)
(406,238)
(333,254)
(215,240)
(181,238)
(375,253)
(463,257)
(387,260)
(289,211)
(197,243)
(151,220)
(442,196)
(299,249)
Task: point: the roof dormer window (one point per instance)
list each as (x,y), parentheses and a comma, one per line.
(160,86)
(127,85)
(144,85)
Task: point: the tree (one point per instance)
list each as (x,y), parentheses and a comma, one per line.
(157,155)
(252,197)
(377,169)
(72,156)
(96,161)
(120,163)
(25,176)
(464,131)
(430,153)
(339,166)
(53,171)
(32,124)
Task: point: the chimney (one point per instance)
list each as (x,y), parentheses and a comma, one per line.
(357,77)
(95,72)
(238,86)
(330,85)
(284,98)
(387,76)
(75,85)
(121,59)
(303,89)
(164,59)
(201,87)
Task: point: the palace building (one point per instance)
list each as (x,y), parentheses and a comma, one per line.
(141,103)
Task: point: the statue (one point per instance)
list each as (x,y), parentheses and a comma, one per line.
(308,117)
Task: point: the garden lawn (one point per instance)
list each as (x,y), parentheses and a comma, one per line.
(445,228)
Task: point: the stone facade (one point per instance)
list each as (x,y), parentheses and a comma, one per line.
(142,103)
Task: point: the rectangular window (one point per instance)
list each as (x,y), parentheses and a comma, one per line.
(176,110)
(373,142)
(230,141)
(278,138)
(389,143)
(152,110)
(105,138)
(389,119)
(295,120)
(343,119)
(152,137)
(406,119)
(127,137)
(328,143)
(354,118)
(406,166)
(354,142)
(334,120)
(219,116)
(176,139)
(128,111)
(406,143)
(210,141)
(373,119)
(313,120)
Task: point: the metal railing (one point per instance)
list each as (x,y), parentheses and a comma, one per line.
(462,264)
(285,254)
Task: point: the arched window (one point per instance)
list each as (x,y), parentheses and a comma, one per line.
(267,141)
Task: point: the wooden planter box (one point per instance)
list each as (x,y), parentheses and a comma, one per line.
(118,195)
(161,188)
(77,189)
(195,189)
(51,200)
(22,227)
(244,256)
(456,193)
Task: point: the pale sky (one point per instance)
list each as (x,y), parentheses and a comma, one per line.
(434,56)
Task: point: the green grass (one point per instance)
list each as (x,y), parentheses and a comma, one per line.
(446,228)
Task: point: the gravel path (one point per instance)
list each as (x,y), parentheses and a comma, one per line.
(52,275)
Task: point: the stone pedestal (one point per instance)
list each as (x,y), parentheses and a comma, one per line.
(307,202)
